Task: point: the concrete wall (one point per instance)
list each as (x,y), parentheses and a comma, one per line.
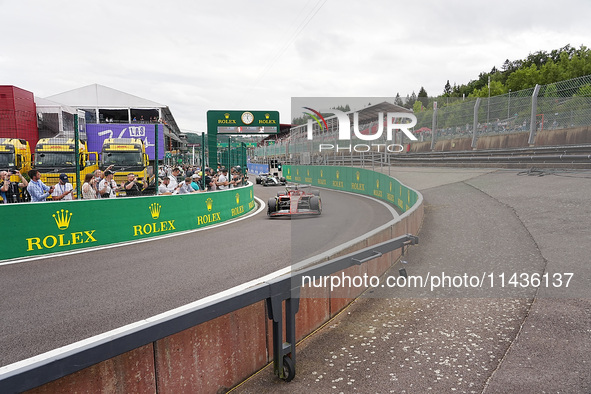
(222,352)
(574,136)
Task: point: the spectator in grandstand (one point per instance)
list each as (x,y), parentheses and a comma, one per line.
(133,187)
(96,180)
(108,187)
(189,171)
(12,192)
(88,189)
(163,187)
(209,180)
(38,190)
(223,181)
(195,180)
(237,179)
(185,187)
(173,177)
(63,189)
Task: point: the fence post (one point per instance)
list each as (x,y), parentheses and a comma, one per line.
(534,110)
(156,169)
(475,123)
(78,156)
(433,127)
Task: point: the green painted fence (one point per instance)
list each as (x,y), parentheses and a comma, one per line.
(356,180)
(40,228)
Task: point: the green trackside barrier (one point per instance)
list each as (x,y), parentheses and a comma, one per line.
(48,227)
(356,180)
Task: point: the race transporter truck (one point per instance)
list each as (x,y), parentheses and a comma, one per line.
(125,156)
(54,156)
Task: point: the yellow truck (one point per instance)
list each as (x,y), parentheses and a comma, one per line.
(54,156)
(15,154)
(125,156)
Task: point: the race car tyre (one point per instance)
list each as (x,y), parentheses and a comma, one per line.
(258,180)
(316,192)
(316,204)
(282,179)
(272,205)
(279,194)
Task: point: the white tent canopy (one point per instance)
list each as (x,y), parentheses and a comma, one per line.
(99,96)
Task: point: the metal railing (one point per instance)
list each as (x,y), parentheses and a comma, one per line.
(25,375)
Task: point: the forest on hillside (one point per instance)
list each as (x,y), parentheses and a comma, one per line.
(541,67)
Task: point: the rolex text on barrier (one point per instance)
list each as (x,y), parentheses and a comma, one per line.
(356,180)
(50,227)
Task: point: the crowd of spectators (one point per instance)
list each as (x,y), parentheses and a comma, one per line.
(100,184)
(193,179)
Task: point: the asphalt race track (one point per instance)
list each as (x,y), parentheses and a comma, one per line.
(52,302)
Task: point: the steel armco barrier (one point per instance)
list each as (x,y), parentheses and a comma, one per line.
(39,370)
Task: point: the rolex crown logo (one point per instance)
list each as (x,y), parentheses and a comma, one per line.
(308,173)
(227,115)
(337,175)
(155,210)
(357,176)
(62,219)
(237,198)
(266,116)
(390,187)
(377,183)
(321,175)
(209,204)
(251,194)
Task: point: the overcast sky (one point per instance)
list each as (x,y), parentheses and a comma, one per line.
(198,55)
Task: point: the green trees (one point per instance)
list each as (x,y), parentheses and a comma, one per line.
(540,67)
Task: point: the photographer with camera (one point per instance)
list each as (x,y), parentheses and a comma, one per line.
(11,192)
(133,187)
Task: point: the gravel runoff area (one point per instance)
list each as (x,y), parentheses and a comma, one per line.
(531,336)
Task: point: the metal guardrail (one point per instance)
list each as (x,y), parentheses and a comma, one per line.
(39,370)
(579,155)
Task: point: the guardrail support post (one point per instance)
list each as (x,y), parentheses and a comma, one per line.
(284,353)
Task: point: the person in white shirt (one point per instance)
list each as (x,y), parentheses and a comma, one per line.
(223,182)
(164,187)
(63,190)
(108,187)
(173,181)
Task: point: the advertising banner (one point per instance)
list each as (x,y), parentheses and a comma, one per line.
(50,227)
(356,180)
(98,133)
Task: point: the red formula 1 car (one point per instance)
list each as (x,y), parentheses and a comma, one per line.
(296,200)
